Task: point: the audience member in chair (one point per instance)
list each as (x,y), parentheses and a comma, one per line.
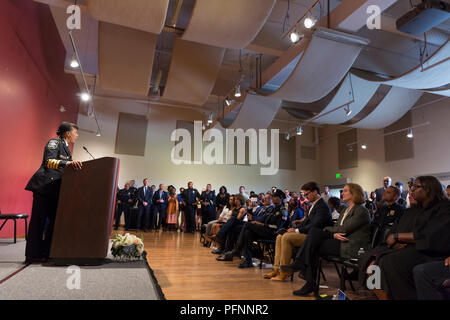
(255,214)
(265,230)
(344,239)
(222,199)
(319,216)
(430,278)
(334,203)
(404,224)
(429,241)
(386,216)
(225,214)
(145,195)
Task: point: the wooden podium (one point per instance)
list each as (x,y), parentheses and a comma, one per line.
(85,212)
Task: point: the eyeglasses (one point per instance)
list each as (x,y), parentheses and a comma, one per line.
(414,187)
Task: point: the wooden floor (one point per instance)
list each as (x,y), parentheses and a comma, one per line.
(187,270)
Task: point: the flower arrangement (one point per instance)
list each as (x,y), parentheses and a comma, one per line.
(127,247)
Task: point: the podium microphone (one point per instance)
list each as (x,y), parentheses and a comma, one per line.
(88,152)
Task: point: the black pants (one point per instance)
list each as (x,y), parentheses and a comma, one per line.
(161,210)
(318,243)
(208,214)
(251,232)
(40,232)
(145,217)
(125,208)
(397,272)
(233,236)
(189,217)
(428,278)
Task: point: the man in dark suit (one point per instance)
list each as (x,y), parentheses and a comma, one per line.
(145,195)
(160,201)
(124,202)
(208,198)
(387,181)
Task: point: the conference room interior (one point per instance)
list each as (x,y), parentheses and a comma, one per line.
(276,96)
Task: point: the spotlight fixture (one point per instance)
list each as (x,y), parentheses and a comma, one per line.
(62,109)
(299,130)
(294,36)
(237,93)
(228,101)
(85,96)
(210,118)
(347,110)
(98,134)
(203,127)
(288,136)
(350,148)
(410,134)
(309,22)
(74,63)
(364,146)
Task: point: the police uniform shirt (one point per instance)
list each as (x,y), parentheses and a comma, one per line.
(190,195)
(47,178)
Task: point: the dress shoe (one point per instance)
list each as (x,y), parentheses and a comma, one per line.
(282,276)
(245,264)
(217,251)
(224,257)
(272,274)
(308,288)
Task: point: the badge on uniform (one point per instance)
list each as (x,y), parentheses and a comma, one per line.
(63,157)
(392,212)
(53,144)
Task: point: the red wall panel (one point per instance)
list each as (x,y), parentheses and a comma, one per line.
(33,85)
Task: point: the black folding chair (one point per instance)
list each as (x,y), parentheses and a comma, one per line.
(15,217)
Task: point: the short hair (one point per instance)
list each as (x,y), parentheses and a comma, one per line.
(448,187)
(336,202)
(357,192)
(396,190)
(311,186)
(145,179)
(398,183)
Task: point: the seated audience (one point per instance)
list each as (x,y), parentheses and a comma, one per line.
(334,203)
(222,199)
(266,230)
(344,239)
(386,216)
(387,181)
(318,217)
(225,214)
(430,240)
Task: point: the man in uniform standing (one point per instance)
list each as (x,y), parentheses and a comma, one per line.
(125,202)
(190,197)
(208,198)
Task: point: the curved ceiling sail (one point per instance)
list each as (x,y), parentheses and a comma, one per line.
(143,15)
(193,71)
(326,61)
(433,73)
(395,104)
(227,23)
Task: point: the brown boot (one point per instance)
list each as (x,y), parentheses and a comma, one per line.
(282,276)
(272,274)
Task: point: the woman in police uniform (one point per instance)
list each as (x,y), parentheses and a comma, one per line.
(45,185)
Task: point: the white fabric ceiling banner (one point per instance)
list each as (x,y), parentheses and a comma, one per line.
(125,58)
(193,71)
(143,15)
(363,90)
(433,73)
(394,106)
(227,23)
(326,61)
(256,112)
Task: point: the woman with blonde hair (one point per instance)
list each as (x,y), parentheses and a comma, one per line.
(350,233)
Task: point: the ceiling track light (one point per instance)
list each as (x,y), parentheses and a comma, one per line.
(288,136)
(310,21)
(410,134)
(347,110)
(85,96)
(237,93)
(299,130)
(210,118)
(364,146)
(74,63)
(294,36)
(228,101)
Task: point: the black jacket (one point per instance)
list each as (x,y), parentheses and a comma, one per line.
(47,179)
(156,199)
(319,217)
(145,198)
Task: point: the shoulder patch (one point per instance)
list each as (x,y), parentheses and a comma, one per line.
(53,144)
